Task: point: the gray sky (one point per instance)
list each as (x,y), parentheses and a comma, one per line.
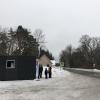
(63,21)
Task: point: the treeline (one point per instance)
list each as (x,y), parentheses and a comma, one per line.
(85,55)
(20,41)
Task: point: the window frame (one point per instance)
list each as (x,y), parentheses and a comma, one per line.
(10,67)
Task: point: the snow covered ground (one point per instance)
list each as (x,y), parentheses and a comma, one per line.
(63,86)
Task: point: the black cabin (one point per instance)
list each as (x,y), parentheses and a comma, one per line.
(17,67)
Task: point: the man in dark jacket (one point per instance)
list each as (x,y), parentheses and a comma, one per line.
(46,73)
(40,71)
(50,72)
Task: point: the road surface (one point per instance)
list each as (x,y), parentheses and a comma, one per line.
(63,86)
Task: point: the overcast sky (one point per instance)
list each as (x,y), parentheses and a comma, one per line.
(62,21)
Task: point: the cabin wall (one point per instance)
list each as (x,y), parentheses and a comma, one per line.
(25,68)
(2,68)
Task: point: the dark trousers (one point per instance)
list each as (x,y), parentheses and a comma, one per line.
(41,75)
(46,76)
(50,75)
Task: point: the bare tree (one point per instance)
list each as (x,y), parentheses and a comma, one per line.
(40,37)
(3,41)
(12,44)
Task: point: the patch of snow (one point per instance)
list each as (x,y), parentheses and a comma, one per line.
(59,72)
(96,70)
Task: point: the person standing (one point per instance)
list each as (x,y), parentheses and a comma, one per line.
(46,73)
(50,72)
(41,70)
(37,70)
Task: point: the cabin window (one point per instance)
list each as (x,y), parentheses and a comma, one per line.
(10,64)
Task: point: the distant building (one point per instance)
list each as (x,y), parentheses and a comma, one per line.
(17,67)
(44,60)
